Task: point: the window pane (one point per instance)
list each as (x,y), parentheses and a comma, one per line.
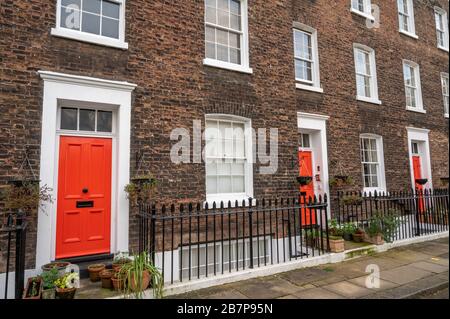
(237,168)
(76,3)
(235,56)
(235,7)
(235,22)
(104,121)
(223,18)
(110,28)
(211,185)
(70,18)
(91,23)
(211,169)
(222,53)
(222,37)
(92,6)
(210,15)
(211,3)
(225,184)
(238,184)
(235,40)
(87,120)
(223,4)
(210,50)
(210,34)
(68,119)
(111,9)
(303,70)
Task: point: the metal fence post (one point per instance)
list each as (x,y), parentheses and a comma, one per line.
(417,199)
(20,254)
(153,237)
(250,225)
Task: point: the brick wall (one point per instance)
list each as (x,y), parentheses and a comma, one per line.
(164,59)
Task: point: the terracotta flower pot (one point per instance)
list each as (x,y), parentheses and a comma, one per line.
(48,293)
(61,266)
(37,283)
(358,237)
(376,240)
(105,276)
(117,282)
(336,245)
(145,281)
(94,271)
(65,293)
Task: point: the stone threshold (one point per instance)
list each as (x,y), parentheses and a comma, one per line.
(330,258)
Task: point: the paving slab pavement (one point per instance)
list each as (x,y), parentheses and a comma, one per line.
(404,271)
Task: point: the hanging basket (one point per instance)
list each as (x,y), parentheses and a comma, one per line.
(304,180)
(421,181)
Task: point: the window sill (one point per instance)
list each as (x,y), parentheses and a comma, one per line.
(308,88)
(409,34)
(443,48)
(446,116)
(363,14)
(417,110)
(227,66)
(89,38)
(368,100)
(225,198)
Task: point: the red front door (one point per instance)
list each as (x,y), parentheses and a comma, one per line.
(84,197)
(417,172)
(306,191)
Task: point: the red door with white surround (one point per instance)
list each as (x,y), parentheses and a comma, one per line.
(83,223)
(306,191)
(417,172)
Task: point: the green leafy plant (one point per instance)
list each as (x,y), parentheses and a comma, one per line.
(68,281)
(134,276)
(335,229)
(352,200)
(141,188)
(27,196)
(384,224)
(349,228)
(49,278)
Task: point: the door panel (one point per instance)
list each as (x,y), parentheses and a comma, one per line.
(306,191)
(84,175)
(417,172)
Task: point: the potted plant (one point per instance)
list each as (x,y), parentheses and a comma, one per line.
(348,230)
(335,229)
(94,271)
(49,277)
(352,200)
(337,243)
(382,227)
(117,281)
(304,180)
(119,260)
(105,276)
(66,285)
(139,274)
(33,289)
(312,237)
(358,235)
(25,195)
(421,181)
(59,265)
(142,187)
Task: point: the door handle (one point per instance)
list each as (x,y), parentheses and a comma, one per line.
(85,190)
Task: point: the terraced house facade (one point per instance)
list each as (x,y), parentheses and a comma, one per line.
(91,91)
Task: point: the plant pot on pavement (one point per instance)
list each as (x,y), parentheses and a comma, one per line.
(105,276)
(94,271)
(144,284)
(59,265)
(48,293)
(65,293)
(347,236)
(117,282)
(358,237)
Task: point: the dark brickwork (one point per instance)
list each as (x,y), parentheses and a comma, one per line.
(166,49)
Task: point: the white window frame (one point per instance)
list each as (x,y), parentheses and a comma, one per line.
(367,13)
(120,43)
(373,74)
(445,96)
(381,174)
(411,25)
(244,67)
(419,101)
(440,11)
(314,85)
(248,170)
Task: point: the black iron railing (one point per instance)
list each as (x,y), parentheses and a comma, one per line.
(192,241)
(418,212)
(15,227)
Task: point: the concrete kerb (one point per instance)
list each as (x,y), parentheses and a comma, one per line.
(331,258)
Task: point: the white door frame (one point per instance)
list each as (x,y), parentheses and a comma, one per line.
(318,123)
(420,135)
(59,87)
